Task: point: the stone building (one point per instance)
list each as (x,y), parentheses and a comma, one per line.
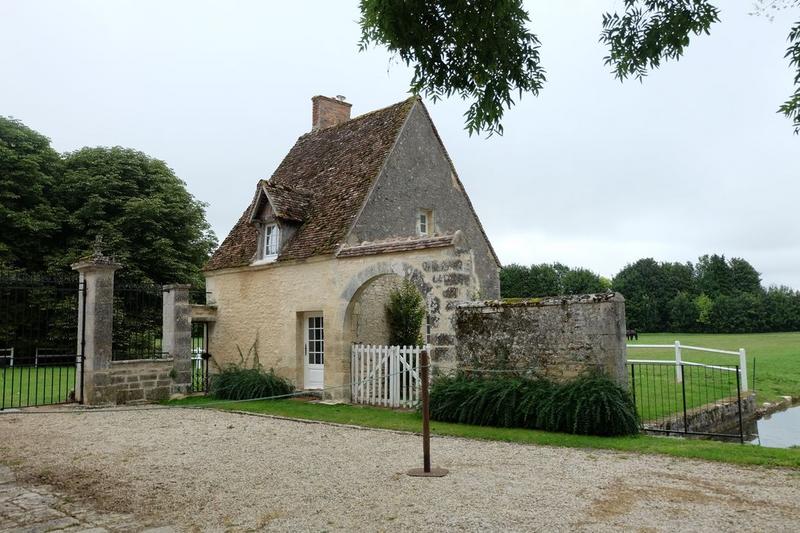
(355,206)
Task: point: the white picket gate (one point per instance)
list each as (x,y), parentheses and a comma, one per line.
(385,375)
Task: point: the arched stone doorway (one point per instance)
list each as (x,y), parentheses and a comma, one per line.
(366,320)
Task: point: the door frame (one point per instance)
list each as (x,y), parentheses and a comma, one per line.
(309,368)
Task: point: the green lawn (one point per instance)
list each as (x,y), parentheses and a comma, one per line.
(28,385)
(409,421)
(776,355)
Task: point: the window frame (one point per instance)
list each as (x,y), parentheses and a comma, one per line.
(270,240)
(427,214)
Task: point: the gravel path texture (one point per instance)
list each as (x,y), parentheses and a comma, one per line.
(203,470)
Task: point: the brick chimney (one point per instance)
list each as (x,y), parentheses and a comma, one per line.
(327,112)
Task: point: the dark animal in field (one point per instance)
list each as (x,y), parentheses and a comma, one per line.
(632,335)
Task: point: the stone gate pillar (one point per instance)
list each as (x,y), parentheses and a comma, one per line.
(95,327)
(177,335)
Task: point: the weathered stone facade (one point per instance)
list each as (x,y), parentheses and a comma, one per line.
(350,195)
(368,316)
(556,338)
(419,175)
(265,306)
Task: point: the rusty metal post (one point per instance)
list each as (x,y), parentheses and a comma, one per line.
(426,470)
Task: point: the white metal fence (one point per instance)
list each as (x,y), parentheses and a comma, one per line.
(385,375)
(678,347)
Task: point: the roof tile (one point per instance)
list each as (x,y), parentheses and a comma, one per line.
(338,165)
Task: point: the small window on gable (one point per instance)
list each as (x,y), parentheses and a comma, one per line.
(272,239)
(425,222)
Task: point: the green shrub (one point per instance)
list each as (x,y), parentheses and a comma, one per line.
(590,405)
(501,402)
(404,315)
(237,383)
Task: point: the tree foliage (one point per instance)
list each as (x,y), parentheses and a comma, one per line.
(29,172)
(715,295)
(477,49)
(482,50)
(517,281)
(54,206)
(650,31)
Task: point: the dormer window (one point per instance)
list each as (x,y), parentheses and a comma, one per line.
(272,239)
(425,222)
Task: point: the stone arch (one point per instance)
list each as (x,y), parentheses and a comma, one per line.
(367,293)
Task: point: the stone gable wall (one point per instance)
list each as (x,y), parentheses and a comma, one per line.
(418,175)
(557,338)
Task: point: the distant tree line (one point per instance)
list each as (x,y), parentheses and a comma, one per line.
(715,295)
(518,281)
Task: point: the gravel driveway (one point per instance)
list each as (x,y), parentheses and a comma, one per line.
(210,470)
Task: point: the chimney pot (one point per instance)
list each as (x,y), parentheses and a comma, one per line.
(327,112)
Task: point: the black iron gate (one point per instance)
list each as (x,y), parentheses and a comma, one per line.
(688,398)
(200,357)
(39,353)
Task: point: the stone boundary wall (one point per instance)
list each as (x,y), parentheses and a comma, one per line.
(717,417)
(101,380)
(136,380)
(555,337)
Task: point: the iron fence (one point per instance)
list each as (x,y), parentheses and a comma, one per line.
(200,357)
(137,329)
(39,352)
(688,398)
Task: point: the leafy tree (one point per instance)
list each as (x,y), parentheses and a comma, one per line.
(29,170)
(683,313)
(482,50)
(644,285)
(548,280)
(513,281)
(704,305)
(581,281)
(405,313)
(744,278)
(738,313)
(143,211)
(782,308)
(544,280)
(53,207)
(714,276)
(478,49)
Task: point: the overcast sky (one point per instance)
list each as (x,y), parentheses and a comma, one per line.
(591,173)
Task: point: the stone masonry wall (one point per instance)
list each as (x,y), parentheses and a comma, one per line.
(369,310)
(718,417)
(138,380)
(557,337)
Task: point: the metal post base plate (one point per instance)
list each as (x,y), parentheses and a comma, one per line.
(420,472)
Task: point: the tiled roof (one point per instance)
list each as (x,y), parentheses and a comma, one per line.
(338,165)
(288,203)
(396,245)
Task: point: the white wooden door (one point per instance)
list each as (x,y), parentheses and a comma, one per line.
(314,352)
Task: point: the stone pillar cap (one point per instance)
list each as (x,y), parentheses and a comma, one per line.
(178,286)
(95,263)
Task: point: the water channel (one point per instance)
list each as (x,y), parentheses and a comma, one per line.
(778,430)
